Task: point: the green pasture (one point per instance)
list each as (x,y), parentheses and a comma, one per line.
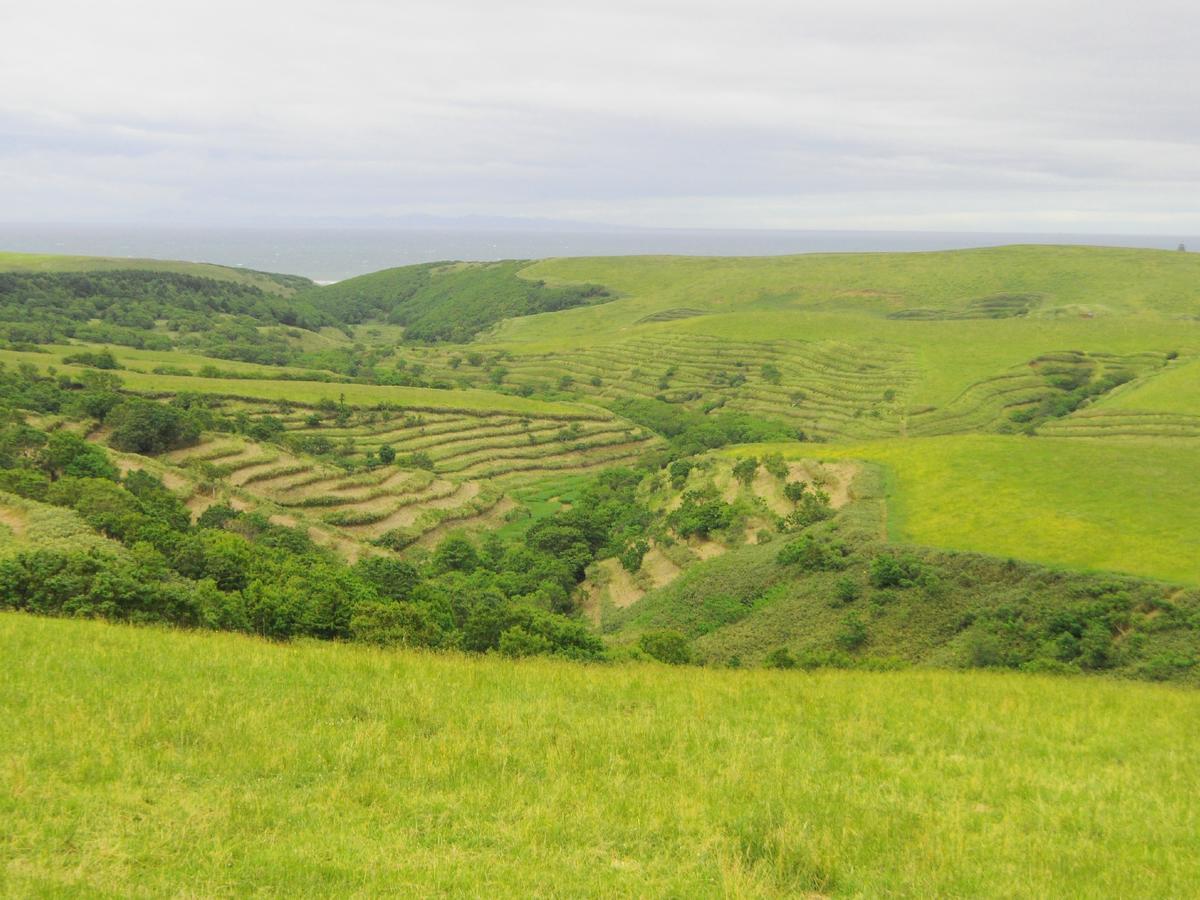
(1175,390)
(145,361)
(166,763)
(1131,506)
(311,392)
(1070,280)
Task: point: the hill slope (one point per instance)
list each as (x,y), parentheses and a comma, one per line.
(270,282)
(448,301)
(213,765)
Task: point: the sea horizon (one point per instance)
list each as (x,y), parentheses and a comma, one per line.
(329,254)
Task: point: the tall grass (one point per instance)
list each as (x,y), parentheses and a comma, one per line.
(143,762)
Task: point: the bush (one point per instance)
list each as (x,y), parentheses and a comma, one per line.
(679,471)
(517,642)
(395,624)
(847,590)
(631,556)
(744,470)
(775,465)
(102,359)
(666,646)
(810,554)
(853,633)
(418,460)
(888,571)
(780,659)
(69,455)
(700,513)
(985,650)
(812,506)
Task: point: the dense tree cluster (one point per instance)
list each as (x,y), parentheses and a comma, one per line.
(142,308)
(689,433)
(238,571)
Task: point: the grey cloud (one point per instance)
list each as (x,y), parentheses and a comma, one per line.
(982,115)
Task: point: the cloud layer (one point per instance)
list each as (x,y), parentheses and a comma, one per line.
(1057,115)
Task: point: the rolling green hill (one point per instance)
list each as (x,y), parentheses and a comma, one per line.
(449,301)
(1032,403)
(270,282)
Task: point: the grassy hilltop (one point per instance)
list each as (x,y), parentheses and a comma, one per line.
(271,282)
(215,765)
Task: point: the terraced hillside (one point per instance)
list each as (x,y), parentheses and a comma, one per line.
(451,469)
(483,445)
(1038,403)
(759,507)
(353,512)
(826,388)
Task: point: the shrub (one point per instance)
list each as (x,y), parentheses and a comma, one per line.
(810,554)
(812,506)
(456,554)
(847,590)
(393,579)
(679,471)
(1096,647)
(395,624)
(775,466)
(985,650)
(102,359)
(666,646)
(780,659)
(795,490)
(67,454)
(418,460)
(888,571)
(701,513)
(853,633)
(744,470)
(517,642)
(631,556)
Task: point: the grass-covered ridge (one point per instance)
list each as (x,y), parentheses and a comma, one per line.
(449,302)
(270,282)
(216,764)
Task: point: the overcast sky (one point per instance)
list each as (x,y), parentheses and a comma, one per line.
(973,115)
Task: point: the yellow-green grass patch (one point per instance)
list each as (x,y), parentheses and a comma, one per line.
(208,764)
(1130,506)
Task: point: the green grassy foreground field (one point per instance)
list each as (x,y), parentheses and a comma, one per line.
(142,761)
(1130,506)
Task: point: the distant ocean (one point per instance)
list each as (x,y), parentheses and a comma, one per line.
(332,254)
